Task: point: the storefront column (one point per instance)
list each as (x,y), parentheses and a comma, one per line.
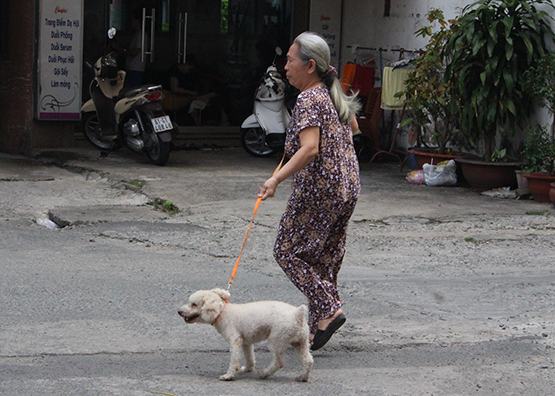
(19,132)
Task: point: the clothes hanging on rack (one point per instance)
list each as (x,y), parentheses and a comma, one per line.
(393,82)
(347,76)
(359,75)
(358,78)
(370,119)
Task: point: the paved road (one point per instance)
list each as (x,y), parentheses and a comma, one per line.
(446,291)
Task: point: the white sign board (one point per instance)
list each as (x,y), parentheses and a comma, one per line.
(60,60)
(325,19)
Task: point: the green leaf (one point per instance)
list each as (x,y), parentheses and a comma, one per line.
(491,47)
(470,32)
(510,106)
(406,122)
(483,76)
(478,45)
(492,112)
(509,41)
(509,80)
(493,31)
(509,52)
(508,22)
(529,46)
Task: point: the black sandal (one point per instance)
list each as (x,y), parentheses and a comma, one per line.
(323,336)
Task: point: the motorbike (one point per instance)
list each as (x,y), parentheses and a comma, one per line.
(263,132)
(135,119)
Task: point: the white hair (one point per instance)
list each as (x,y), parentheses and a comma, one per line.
(313,46)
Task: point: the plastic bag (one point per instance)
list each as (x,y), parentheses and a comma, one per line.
(442,174)
(415,177)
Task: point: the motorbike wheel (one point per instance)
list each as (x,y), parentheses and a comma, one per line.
(254,141)
(91,128)
(157,151)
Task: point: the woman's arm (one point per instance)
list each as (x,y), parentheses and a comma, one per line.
(310,143)
(354,126)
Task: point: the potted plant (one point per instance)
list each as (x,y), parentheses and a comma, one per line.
(540,80)
(493,43)
(539,156)
(428,95)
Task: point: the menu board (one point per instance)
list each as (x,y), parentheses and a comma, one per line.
(60,60)
(325,19)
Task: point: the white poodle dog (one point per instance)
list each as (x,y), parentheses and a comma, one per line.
(243,325)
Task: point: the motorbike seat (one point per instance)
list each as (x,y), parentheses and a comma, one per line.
(137,90)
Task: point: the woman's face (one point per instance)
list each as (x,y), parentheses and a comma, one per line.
(298,73)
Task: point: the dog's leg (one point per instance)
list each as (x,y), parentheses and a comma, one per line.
(277,362)
(248,351)
(303,349)
(235,361)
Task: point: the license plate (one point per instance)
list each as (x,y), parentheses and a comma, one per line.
(162,124)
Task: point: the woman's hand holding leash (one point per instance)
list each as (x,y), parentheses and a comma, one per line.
(268,189)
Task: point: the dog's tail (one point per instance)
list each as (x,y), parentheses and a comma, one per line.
(302,315)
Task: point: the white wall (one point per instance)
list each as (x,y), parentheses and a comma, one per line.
(364,24)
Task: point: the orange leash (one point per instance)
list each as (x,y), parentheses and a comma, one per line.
(248,231)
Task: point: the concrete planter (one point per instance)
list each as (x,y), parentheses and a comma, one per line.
(521,181)
(429,156)
(482,175)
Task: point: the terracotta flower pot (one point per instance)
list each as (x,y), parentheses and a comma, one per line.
(483,175)
(552,193)
(539,185)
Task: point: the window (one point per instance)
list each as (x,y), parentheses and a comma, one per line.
(3,29)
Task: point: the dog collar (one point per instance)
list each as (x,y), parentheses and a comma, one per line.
(216,320)
(218,317)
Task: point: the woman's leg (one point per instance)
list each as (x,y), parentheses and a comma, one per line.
(300,241)
(329,263)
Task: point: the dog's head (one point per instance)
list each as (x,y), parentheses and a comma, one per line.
(204,306)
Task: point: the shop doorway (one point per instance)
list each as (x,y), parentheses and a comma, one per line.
(208,54)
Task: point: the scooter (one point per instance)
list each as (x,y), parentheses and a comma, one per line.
(263,132)
(112,118)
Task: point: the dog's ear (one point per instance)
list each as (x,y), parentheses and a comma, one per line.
(224,294)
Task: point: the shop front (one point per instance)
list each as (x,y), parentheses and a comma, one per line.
(207,54)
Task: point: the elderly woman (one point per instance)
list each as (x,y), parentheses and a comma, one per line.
(311,239)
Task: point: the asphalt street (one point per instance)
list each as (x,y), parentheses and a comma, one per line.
(446,291)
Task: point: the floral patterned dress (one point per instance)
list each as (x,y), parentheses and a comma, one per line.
(311,239)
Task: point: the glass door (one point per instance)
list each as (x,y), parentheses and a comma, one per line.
(208,54)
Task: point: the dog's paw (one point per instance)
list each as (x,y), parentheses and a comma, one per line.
(226,377)
(245,369)
(302,378)
(263,374)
